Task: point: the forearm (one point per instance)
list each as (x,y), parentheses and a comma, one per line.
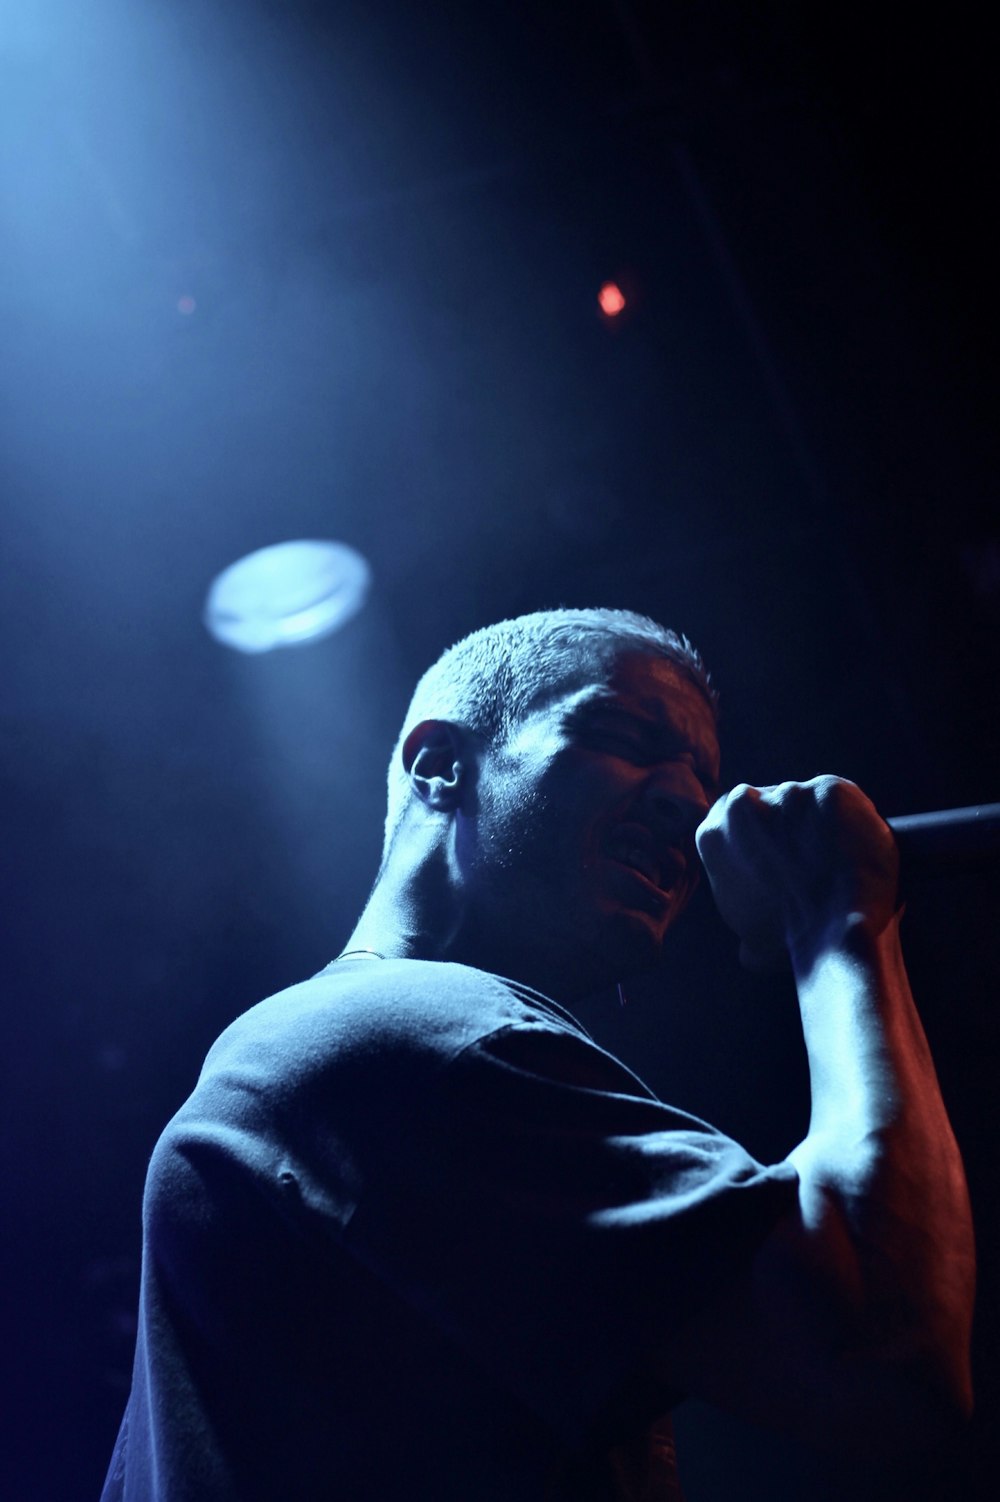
(883,1194)
(858,1306)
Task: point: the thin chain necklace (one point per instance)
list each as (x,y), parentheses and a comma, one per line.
(373,953)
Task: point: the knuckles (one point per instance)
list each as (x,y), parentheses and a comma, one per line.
(779,858)
(748,813)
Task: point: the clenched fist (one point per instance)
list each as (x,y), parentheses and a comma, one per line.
(789,865)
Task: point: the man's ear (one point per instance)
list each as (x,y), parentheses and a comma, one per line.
(438,758)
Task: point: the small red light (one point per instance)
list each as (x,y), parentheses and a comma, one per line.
(186,304)
(611,299)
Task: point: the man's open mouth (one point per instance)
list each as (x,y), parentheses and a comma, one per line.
(632,845)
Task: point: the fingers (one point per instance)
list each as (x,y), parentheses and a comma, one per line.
(744,806)
(789,858)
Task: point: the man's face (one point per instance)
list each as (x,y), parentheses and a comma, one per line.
(580,853)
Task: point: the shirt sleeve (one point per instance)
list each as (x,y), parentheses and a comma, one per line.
(558,1221)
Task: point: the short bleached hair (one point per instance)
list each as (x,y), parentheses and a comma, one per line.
(490,680)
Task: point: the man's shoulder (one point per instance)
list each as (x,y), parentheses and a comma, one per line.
(349,1065)
(365,1013)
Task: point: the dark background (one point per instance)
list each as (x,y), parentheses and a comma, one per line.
(393,220)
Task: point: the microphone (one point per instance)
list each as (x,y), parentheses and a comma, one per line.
(950,840)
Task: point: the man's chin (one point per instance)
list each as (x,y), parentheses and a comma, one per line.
(628,944)
(633,937)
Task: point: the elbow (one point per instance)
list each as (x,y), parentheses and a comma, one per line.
(947,1402)
(959,1393)
(919,1404)
(926,1380)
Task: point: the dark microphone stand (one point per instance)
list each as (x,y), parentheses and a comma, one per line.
(953,839)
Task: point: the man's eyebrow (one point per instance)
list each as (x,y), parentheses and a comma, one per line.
(654,709)
(602,707)
(652,727)
(646,714)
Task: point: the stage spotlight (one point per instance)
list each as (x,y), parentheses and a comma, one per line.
(286,595)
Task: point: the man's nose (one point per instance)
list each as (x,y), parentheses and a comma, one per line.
(677,800)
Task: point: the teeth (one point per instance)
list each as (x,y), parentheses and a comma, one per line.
(640,860)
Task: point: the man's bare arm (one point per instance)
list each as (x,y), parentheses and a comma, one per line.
(854,1320)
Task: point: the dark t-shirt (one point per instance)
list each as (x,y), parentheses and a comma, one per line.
(414,1235)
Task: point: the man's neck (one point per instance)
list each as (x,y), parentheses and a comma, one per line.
(411,911)
(415,912)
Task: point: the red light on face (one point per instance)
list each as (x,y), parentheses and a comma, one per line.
(611,299)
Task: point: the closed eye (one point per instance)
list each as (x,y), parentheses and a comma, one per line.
(639,753)
(622,745)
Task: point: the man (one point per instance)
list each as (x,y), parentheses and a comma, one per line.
(416,1235)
